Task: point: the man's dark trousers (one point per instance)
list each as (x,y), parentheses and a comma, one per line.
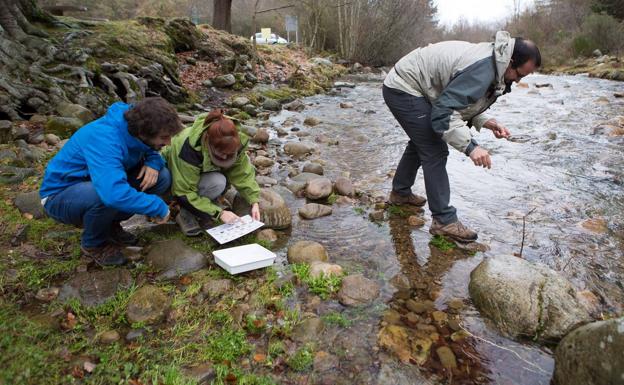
(80,205)
(425,148)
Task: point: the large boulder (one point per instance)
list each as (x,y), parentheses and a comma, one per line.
(147,305)
(273,210)
(591,355)
(95,287)
(173,258)
(525,299)
(307,252)
(357,290)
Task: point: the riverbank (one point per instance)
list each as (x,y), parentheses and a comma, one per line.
(602,66)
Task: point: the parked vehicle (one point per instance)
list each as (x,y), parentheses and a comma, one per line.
(274,39)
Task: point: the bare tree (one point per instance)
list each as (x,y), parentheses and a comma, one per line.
(222,15)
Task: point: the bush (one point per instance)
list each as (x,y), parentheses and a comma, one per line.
(599,31)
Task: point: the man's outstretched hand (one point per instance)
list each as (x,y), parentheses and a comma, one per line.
(498,129)
(480,157)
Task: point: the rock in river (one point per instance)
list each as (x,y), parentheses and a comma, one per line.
(173,258)
(306,252)
(299,149)
(525,299)
(591,355)
(357,290)
(319,188)
(314,210)
(273,210)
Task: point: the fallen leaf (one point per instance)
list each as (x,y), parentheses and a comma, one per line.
(28,216)
(259,357)
(77,372)
(185,280)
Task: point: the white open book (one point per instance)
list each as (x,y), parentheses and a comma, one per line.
(229,232)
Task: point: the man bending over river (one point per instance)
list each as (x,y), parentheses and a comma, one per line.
(436,93)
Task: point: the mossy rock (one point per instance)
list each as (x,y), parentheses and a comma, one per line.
(183,34)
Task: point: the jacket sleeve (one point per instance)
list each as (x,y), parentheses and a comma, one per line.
(463,90)
(154,160)
(185,184)
(242,176)
(111,182)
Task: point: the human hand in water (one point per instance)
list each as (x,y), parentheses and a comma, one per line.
(499,130)
(480,157)
(255,211)
(228,217)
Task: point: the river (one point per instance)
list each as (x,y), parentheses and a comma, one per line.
(554,173)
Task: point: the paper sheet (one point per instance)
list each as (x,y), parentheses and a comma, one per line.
(229,232)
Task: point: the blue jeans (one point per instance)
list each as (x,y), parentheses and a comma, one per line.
(81,206)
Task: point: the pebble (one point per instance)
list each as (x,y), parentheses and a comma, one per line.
(447,357)
(109,337)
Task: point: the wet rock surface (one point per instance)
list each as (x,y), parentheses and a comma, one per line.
(307,252)
(273,210)
(526,300)
(357,290)
(314,210)
(591,355)
(318,188)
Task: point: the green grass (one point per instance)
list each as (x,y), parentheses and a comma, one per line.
(398,211)
(323,286)
(335,318)
(442,243)
(302,360)
(226,345)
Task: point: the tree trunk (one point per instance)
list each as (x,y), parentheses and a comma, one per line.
(221,18)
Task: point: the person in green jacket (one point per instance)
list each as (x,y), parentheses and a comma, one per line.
(204,159)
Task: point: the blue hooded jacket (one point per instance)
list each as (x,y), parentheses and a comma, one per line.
(102,152)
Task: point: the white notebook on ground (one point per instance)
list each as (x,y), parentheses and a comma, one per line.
(229,232)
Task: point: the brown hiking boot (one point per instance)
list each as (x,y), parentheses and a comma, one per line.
(455,230)
(411,199)
(107,255)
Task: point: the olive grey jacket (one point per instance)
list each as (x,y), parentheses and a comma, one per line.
(461,80)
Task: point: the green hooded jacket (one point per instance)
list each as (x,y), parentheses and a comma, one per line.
(187,159)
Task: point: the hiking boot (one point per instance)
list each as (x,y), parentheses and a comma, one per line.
(455,230)
(188,223)
(121,237)
(107,255)
(411,199)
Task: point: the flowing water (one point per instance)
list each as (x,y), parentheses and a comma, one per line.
(554,173)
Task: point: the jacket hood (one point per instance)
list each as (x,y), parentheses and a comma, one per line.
(503,49)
